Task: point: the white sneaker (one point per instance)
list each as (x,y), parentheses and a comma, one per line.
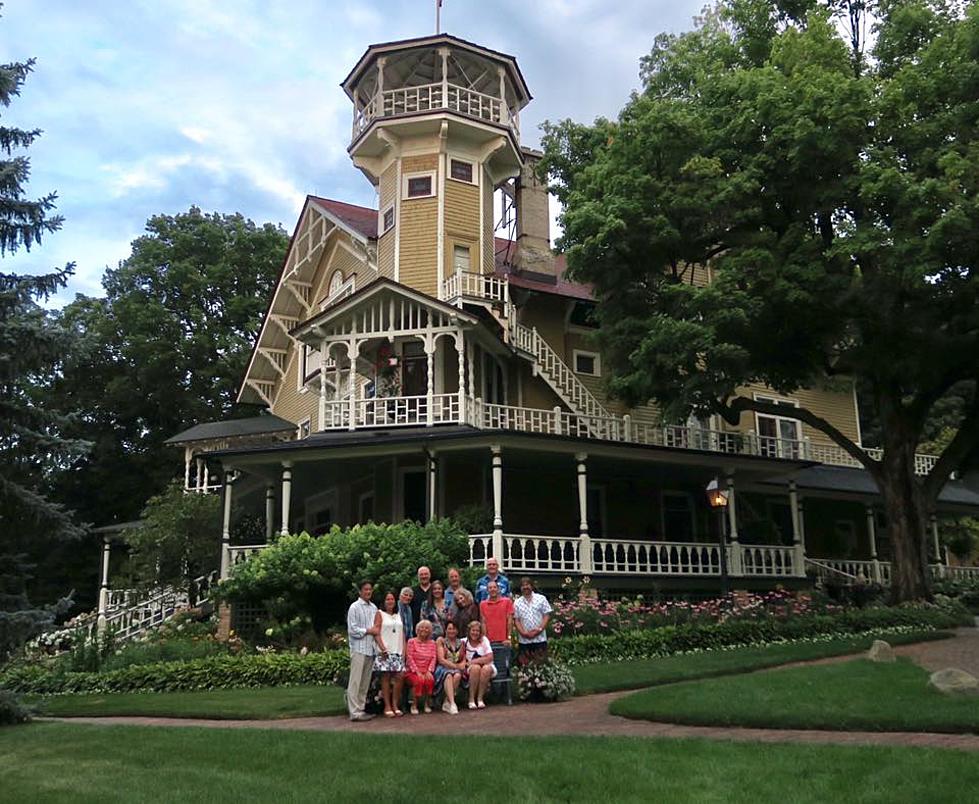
(453,709)
(447,706)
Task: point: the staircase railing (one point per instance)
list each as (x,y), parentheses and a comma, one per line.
(572,391)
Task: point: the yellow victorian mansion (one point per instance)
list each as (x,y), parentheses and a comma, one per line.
(412,363)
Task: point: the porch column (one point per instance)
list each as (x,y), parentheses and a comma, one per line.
(939,568)
(797,540)
(200,465)
(872,538)
(324,357)
(353,347)
(226,527)
(104,584)
(497,453)
(460,344)
(472,370)
(286,497)
(432,486)
(430,381)
(188,460)
(584,540)
(269,513)
(732,517)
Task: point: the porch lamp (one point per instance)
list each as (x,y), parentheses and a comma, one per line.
(717,500)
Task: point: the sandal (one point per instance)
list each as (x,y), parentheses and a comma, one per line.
(388,713)
(480,705)
(413,710)
(472,705)
(398,713)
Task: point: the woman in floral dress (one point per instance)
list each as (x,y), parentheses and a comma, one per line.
(435,610)
(450,666)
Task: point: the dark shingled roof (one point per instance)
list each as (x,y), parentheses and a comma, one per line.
(256,425)
(857,481)
(361,219)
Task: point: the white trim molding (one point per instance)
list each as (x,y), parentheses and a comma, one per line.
(406,179)
(596,357)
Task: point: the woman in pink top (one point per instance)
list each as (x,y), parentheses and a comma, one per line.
(421,657)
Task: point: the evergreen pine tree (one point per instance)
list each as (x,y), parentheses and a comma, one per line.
(32,346)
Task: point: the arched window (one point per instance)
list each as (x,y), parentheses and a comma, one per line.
(336,282)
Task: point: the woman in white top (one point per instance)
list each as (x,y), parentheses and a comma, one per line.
(479,662)
(389,660)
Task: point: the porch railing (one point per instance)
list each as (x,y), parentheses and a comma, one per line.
(435,97)
(464,285)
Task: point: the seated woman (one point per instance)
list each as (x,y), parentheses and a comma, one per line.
(450,667)
(421,659)
(479,659)
(389,660)
(435,610)
(463,610)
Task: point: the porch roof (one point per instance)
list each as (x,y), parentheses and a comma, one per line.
(254,425)
(462,436)
(858,482)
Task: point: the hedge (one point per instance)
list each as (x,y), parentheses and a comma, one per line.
(280,669)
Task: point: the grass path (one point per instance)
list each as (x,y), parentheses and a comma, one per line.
(53,762)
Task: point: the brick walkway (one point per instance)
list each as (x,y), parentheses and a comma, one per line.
(589,715)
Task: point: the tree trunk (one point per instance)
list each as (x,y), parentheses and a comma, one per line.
(906,511)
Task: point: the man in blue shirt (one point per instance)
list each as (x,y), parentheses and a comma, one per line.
(492,574)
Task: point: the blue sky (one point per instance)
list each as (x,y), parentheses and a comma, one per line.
(150,106)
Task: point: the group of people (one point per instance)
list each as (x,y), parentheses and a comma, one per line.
(439,638)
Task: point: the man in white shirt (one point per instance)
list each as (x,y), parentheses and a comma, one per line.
(361,631)
(531,614)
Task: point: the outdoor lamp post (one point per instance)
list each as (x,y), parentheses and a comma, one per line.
(717,499)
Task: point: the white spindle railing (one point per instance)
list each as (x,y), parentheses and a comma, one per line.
(242,552)
(540,553)
(768,560)
(482,287)
(430,97)
(617,556)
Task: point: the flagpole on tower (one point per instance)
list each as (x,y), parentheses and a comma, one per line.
(438,17)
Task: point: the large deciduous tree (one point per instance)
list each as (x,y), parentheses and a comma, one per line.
(832,192)
(163,350)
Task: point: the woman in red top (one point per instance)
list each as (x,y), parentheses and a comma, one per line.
(420,660)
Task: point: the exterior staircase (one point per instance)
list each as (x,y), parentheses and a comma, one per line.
(556,373)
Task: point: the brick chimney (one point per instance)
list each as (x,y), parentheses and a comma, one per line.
(533,254)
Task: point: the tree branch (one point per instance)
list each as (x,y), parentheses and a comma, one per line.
(961,444)
(733,409)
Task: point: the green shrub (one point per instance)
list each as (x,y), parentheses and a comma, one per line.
(548,681)
(12,711)
(309,581)
(212,672)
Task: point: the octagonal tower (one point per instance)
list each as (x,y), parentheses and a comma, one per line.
(436,130)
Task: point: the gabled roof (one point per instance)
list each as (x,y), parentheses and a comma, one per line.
(373,51)
(255,425)
(378,285)
(361,220)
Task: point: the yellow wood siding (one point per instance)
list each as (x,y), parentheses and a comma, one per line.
(387,195)
(291,404)
(418,250)
(461,223)
(489,248)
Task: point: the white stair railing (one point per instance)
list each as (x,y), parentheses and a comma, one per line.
(572,391)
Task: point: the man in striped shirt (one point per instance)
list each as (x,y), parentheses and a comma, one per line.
(361,631)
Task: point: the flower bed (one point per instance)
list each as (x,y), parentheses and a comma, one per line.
(250,670)
(582,616)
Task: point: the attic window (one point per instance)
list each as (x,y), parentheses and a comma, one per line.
(583,315)
(462,171)
(419,185)
(387,219)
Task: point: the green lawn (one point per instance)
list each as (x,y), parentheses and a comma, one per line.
(307,701)
(594,678)
(851,696)
(48,762)
(259,703)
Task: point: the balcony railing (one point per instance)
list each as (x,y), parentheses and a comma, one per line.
(407,411)
(469,286)
(435,97)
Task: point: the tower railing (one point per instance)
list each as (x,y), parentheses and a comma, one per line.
(436,97)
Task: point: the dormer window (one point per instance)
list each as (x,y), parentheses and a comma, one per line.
(419,185)
(460,170)
(336,282)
